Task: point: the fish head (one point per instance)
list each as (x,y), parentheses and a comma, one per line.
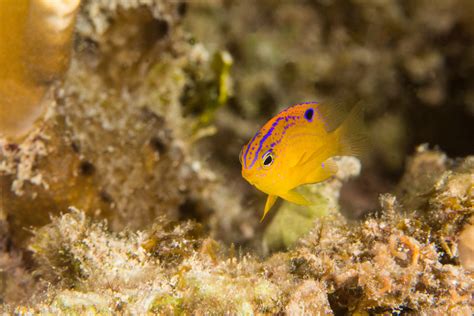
(263,168)
(271,160)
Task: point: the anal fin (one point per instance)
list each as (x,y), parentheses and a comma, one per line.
(295,197)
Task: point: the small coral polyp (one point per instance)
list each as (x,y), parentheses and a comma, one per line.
(35,47)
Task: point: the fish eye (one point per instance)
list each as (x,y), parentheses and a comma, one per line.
(308,115)
(267,159)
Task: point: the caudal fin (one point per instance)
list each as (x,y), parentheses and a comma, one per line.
(352,135)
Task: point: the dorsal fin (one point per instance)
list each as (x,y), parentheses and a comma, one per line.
(333,113)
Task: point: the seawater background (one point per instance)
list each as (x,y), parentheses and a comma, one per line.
(410,63)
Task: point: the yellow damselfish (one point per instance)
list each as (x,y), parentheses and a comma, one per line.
(293,149)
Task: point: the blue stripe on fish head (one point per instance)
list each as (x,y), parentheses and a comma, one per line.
(249,145)
(277,138)
(274,132)
(264,138)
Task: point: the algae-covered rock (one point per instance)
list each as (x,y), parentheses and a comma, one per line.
(309,298)
(442,191)
(44,175)
(390,262)
(383,265)
(177,269)
(115,129)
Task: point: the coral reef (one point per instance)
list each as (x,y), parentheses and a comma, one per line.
(128,199)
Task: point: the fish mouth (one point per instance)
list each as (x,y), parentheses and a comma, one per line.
(247,176)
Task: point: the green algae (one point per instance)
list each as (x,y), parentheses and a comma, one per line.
(209,88)
(164,303)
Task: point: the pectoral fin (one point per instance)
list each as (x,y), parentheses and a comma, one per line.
(295,197)
(321,172)
(271,199)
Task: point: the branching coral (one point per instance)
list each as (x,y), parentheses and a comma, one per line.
(34,50)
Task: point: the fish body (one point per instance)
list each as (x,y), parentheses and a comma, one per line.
(293,149)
